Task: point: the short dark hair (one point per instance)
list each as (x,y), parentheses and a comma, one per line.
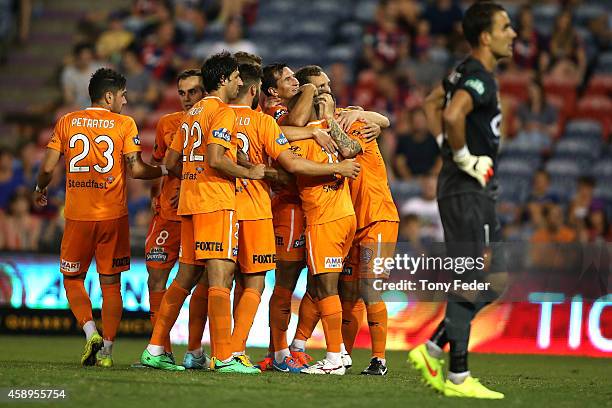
(80,47)
(303,73)
(217,68)
(250,74)
(477,19)
(271,74)
(247,58)
(105,80)
(188,73)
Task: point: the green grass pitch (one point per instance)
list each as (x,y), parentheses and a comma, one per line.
(53,362)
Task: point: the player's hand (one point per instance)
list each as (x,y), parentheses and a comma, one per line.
(327,105)
(322,137)
(308,88)
(370,131)
(284,178)
(271,101)
(479,167)
(257,172)
(346,118)
(40,198)
(349,168)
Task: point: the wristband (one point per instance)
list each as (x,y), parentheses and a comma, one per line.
(440,139)
(461,153)
(164,170)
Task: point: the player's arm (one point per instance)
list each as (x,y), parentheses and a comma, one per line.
(219,161)
(433,107)
(270,173)
(304,167)
(173,162)
(138,169)
(300,113)
(346,118)
(45,174)
(454,118)
(321,136)
(347,147)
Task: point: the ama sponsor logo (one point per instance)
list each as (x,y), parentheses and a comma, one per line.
(333,262)
(69,267)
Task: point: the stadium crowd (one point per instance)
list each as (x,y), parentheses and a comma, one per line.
(385,56)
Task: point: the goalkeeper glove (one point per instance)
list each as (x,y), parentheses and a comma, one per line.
(479,167)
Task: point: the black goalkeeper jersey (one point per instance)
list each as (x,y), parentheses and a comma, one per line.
(482,128)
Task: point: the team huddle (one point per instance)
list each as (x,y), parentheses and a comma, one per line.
(262,171)
(216,214)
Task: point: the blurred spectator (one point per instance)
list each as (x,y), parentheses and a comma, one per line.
(161,55)
(568,59)
(20,229)
(597,225)
(114,40)
(554,229)
(143,89)
(29,163)
(75,76)
(444,16)
(51,235)
(410,231)
(385,43)
(425,208)
(528,45)
(423,70)
(236,8)
(408,14)
(537,119)
(538,198)
(417,152)
(600,30)
(233,40)
(422,39)
(11,177)
(582,201)
(340,84)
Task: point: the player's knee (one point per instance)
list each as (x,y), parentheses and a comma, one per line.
(110,279)
(348,291)
(157,280)
(256,281)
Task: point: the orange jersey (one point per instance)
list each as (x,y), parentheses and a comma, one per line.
(164,133)
(325,198)
(278,112)
(370,191)
(204,189)
(93,142)
(260,138)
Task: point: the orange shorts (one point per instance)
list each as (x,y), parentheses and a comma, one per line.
(162,243)
(377,240)
(328,244)
(289,223)
(256,249)
(211,235)
(108,241)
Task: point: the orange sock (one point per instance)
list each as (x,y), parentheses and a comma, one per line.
(331,316)
(309,316)
(112,309)
(168,313)
(280,314)
(220,321)
(79,301)
(155,299)
(377,320)
(198,313)
(352,316)
(238,291)
(244,317)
